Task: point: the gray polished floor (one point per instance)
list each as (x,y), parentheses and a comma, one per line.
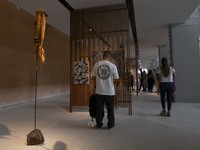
(144,130)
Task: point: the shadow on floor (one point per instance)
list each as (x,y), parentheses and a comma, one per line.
(60,146)
(4,131)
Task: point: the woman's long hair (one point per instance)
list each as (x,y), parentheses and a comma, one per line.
(165,67)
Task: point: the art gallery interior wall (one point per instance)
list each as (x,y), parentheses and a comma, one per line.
(18,58)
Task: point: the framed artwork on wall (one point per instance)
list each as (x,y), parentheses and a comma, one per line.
(81,72)
(117,58)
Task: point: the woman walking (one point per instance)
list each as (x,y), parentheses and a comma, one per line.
(167,74)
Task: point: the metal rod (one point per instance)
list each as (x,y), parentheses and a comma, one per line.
(36,91)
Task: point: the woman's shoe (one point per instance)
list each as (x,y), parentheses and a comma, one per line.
(168,114)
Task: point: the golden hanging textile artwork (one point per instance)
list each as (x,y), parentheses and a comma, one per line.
(39,31)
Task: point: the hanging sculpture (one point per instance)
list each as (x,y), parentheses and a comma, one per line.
(36,137)
(39,32)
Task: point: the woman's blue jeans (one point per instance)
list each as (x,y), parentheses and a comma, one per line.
(166,87)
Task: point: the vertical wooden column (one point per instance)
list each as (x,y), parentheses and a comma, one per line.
(85,55)
(80,58)
(71,59)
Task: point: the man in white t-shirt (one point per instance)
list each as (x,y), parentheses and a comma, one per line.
(104,72)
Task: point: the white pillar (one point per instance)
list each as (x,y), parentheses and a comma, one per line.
(186,61)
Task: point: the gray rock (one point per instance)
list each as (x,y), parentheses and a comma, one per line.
(35,137)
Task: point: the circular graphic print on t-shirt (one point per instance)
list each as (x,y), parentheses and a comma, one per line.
(103,72)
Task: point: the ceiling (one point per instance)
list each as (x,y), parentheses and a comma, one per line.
(153,18)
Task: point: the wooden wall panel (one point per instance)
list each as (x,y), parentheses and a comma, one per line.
(97,29)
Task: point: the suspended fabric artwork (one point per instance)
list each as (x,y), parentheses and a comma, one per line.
(81,72)
(39,33)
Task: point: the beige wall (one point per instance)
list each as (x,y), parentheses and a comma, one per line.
(18,58)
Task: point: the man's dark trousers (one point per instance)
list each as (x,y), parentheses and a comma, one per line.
(109,101)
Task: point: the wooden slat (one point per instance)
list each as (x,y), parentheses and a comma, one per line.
(103,42)
(113,19)
(94,43)
(117,40)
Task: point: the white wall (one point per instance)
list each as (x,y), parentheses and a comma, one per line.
(186,60)
(58,15)
(155,63)
(164,51)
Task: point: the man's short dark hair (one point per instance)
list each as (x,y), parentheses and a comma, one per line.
(106,54)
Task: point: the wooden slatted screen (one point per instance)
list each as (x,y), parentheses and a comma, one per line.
(99,29)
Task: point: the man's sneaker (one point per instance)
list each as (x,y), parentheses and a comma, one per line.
(98,127)
(110,127)
(163,113)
